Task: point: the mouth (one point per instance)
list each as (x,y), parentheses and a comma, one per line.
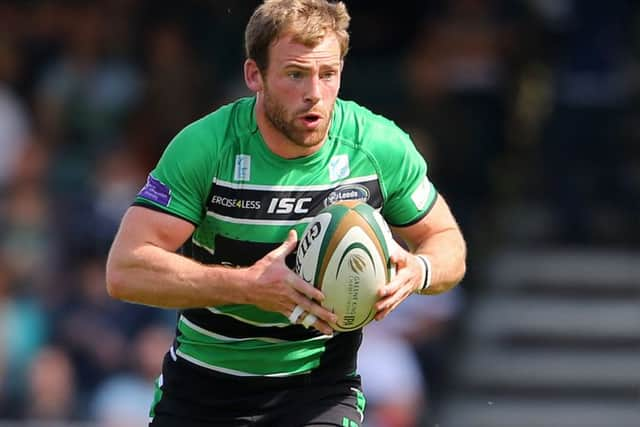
(311,119)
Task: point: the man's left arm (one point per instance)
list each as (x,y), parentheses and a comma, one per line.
(436,239)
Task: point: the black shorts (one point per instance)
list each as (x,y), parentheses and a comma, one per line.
(191,396)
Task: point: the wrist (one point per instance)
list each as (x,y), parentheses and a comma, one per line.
(424,262)
(229,285)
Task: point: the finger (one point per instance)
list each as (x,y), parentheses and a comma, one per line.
(323,327)
(398,257)
(295,314)
(382,304)
(390,288)
(287,246)
(309,320)
(381,315)
(304,288)
(312,321)
(398,293)
(403,276)
(317,310)
(391,301)
(386,307)
(396,252)
(384,291)
(381,312)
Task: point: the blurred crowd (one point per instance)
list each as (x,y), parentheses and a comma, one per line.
(527,113)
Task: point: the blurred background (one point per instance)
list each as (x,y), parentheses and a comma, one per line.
(527,111)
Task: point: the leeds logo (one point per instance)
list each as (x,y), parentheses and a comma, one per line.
(347,192)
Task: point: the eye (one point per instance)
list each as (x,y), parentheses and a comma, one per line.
(294,75)
(328,75)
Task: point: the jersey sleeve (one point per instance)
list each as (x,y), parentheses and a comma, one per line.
(409,192)
(180,182)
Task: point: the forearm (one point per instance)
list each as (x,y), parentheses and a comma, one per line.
(447,253)
(153,276)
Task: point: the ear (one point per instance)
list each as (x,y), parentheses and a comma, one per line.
(252,76)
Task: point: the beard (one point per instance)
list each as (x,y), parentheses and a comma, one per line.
(286,123)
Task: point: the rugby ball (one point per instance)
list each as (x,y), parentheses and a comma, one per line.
(344,252)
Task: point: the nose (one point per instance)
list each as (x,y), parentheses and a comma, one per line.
(312,94)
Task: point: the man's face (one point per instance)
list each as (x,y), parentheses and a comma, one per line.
(300,88)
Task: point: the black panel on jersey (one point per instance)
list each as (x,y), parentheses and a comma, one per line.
(340,350)
(274,205)
(230,327)
(233,252)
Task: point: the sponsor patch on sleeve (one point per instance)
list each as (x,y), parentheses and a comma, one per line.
(421,194)
(156,191)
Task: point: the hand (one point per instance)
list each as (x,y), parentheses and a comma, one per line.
(274,287)
(407,280)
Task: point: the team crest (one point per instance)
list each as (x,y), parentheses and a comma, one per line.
(339,167)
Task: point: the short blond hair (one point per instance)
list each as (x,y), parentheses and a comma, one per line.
(308,21)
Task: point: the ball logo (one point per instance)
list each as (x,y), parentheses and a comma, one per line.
(357,263)
(314,232)
(308,238)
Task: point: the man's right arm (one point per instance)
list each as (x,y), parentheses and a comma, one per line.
(143,268)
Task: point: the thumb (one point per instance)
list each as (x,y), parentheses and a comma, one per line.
(287,246)
(397,254)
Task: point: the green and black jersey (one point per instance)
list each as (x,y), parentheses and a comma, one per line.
(218,174)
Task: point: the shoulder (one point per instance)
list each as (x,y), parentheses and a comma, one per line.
(362,126)
(370,132)
(227,120)
(209,133)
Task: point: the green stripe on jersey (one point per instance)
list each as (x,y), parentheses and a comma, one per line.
(252,315)
(249,356)
(157,395)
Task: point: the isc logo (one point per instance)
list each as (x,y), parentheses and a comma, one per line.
(286,205)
